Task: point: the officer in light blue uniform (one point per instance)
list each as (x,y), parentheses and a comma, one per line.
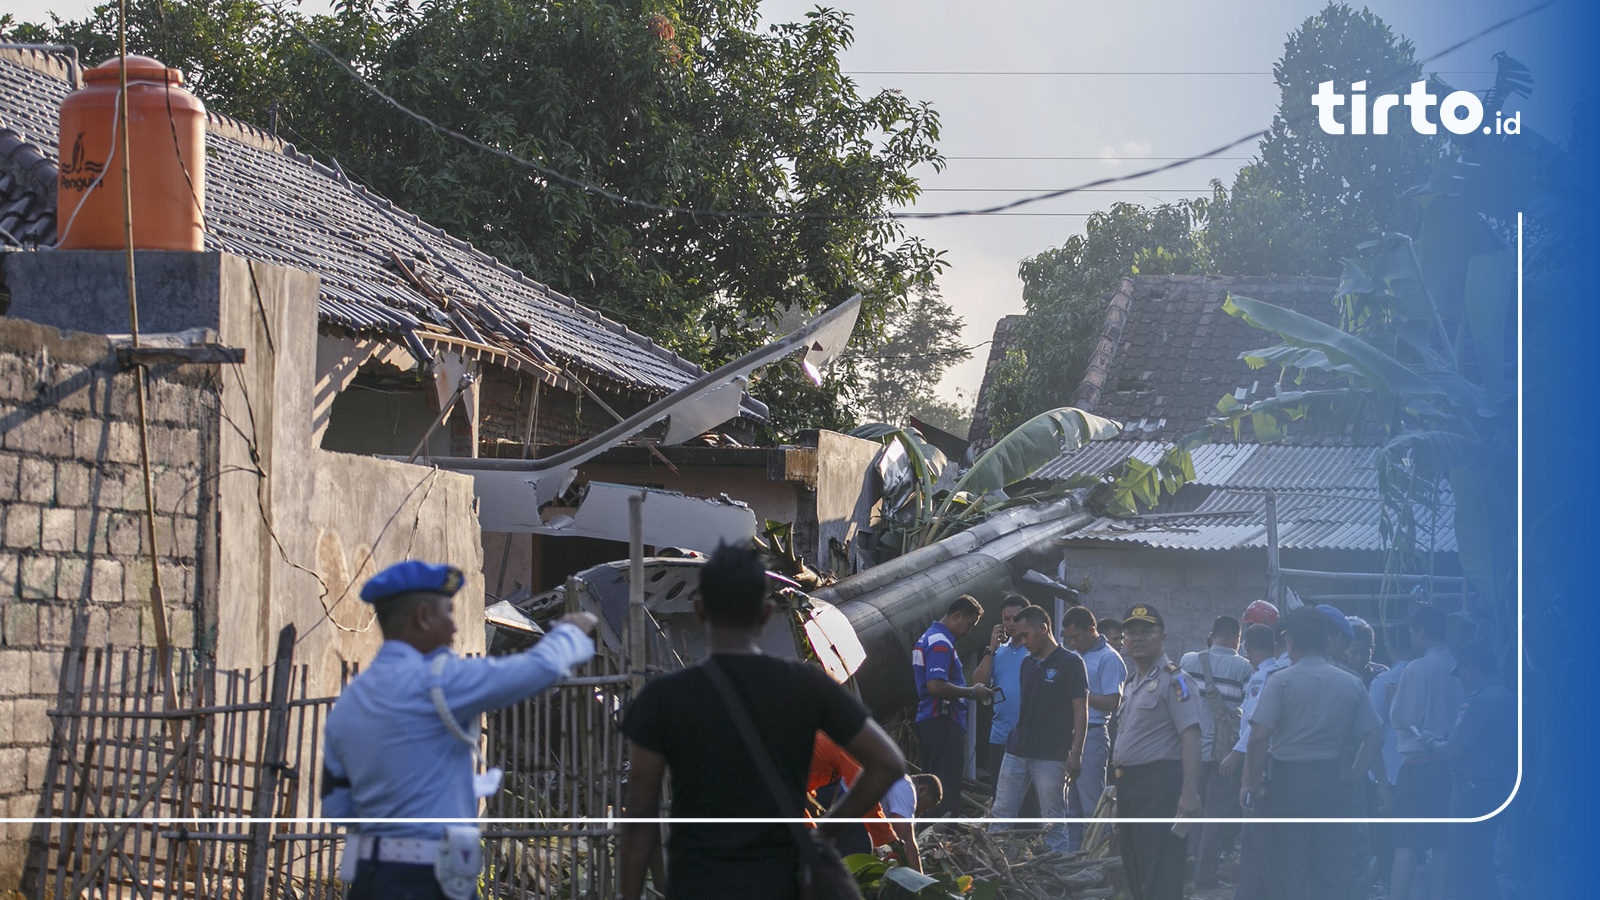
(401,741)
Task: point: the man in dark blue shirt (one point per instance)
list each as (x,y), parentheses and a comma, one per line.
(1046,747)
(1482,752)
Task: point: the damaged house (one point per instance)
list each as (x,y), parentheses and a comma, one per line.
(1301,509)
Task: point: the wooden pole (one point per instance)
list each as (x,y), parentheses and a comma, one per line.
(638,619)
(1274,573)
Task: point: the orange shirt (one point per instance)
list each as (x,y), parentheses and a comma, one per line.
(830,761)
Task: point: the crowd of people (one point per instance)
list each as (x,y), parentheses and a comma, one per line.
(1280,717)
(1087,714)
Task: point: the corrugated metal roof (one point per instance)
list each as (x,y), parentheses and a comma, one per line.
(1308,519)
(1236,465)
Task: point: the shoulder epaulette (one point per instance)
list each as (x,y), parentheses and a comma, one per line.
(1172,668)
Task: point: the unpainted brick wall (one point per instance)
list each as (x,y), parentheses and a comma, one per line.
(74,549)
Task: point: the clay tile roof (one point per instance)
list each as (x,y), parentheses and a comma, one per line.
(1167,352)
(268,202)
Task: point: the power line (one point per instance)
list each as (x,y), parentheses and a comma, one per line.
(973,190)
(1094,158)
(1005,73)
(622,200)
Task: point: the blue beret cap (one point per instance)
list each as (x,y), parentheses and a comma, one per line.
(1340,623)
(411,575)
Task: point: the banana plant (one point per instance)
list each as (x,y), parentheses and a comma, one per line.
(916,514)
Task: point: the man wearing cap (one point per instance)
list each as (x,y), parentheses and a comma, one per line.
(1482,752)
(1305,717)
(1156,759)
(402,739)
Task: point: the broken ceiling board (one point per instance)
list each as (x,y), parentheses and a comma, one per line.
(508,502)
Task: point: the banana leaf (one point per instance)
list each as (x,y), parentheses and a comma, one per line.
(1017,456)
(1377,367)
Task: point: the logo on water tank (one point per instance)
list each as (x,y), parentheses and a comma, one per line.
(79,173)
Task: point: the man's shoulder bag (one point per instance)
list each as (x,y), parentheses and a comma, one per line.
(1224,716)
(822,872)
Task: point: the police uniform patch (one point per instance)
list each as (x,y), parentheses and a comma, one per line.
(1180,687)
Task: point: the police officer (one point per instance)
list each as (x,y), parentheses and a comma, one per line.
(1305,716)
(402,738)
(1156,759)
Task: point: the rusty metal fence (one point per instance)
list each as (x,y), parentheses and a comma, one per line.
(135,748)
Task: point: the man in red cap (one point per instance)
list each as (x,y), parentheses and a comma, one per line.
(1260,612)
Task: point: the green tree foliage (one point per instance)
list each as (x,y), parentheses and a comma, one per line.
(1311,197)
(900,371)
(1303,205)
(682,103)
(1428,341)
(1065,291)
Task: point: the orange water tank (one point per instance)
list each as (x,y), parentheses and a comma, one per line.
(167,139)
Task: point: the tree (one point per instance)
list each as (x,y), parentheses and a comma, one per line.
(1065,291)
(1312,196)
(670,103)
(900,372)
(953,415)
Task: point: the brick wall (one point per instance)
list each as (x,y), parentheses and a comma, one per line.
(74,552)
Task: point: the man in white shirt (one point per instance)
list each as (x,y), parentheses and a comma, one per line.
(1426,703)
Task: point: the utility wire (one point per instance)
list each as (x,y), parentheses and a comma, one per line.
(623,200)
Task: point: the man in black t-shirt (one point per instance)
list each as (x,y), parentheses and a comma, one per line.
(1046,746)
(680,723)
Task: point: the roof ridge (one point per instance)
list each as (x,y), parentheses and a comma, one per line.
(496,263)
(1087,395)
(44,62)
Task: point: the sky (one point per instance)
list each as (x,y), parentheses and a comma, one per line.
(1038,95)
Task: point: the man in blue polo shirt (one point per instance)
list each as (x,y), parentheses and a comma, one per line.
(1001,667)
(942,692)
(1106,671)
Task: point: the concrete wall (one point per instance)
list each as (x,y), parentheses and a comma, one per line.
(1193,587)
(256,527)
(1190,588)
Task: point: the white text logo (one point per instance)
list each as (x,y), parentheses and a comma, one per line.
(1460,112)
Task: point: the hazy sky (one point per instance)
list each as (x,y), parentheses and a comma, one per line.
(1037,95)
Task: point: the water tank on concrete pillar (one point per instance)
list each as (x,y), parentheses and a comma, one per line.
(166,138)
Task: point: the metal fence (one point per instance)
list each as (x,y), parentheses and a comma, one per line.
(131,741)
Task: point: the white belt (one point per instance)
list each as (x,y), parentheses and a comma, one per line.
(415,851)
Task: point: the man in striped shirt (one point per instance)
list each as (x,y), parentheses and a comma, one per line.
(1220,673)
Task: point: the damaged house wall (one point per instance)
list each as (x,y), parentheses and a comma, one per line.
(256,527)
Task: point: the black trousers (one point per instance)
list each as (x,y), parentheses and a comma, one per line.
(394,881)
(1221,795)
(1304,861)
(944,753)
(1152,856)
